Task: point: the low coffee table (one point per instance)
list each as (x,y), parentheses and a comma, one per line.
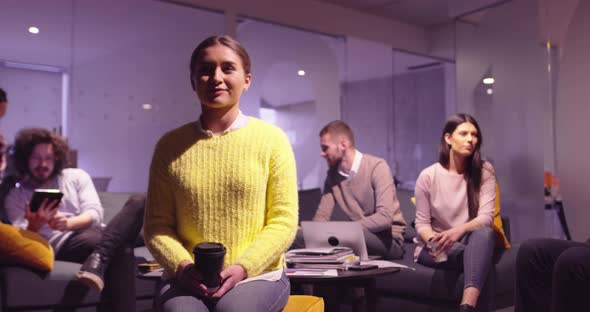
(349,279)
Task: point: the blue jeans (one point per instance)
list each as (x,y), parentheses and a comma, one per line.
(255,296)
(472,255)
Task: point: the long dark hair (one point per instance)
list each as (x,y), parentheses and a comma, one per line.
(473,165)
(3,97)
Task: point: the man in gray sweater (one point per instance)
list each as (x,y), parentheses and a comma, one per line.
(361,187)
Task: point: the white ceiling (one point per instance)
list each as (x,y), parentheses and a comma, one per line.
(418,12)
(297,89)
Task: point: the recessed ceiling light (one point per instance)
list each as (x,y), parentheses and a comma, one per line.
(490,91)
(301,72)
(488,80)
(146,106)
(33,30)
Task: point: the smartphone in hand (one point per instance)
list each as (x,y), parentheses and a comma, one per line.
(40,194)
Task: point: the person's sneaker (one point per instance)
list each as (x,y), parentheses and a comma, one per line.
(467,308)
(92,271)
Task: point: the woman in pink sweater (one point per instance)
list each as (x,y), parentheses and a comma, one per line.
(454,208)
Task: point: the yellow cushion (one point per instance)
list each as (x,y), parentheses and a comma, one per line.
(501,239)
(24,248)
(298,303)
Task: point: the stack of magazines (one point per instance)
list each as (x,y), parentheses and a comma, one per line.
(321,258)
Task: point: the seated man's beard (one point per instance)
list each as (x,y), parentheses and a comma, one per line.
(40,171)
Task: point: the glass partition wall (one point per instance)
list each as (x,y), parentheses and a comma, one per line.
(396,103)
(127,76)
(423,97)
(295,86)
(502,80)
(569,112)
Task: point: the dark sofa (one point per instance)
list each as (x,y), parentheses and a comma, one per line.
(428,289)
(22,289)
(424,289)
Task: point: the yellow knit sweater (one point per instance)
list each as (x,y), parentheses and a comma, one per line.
(238,189)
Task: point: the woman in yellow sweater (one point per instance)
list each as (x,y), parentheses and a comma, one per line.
(224,178)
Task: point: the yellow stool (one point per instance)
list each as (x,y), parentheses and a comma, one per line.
(298,303)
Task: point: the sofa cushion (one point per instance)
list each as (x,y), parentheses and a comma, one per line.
(28,288)
(422,282)
(309,201)
(58,288)
(112,203)
(408,211)
(22,247)
(502,240)
(445,285)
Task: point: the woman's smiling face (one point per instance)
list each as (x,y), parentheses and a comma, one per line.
(220,77)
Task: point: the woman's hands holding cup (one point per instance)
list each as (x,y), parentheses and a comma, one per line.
(230,276)
(190,279)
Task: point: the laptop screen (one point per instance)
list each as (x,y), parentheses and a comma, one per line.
(335,233)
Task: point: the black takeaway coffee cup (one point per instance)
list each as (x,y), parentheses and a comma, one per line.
(209,263)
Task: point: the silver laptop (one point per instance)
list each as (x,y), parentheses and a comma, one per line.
(335,233)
